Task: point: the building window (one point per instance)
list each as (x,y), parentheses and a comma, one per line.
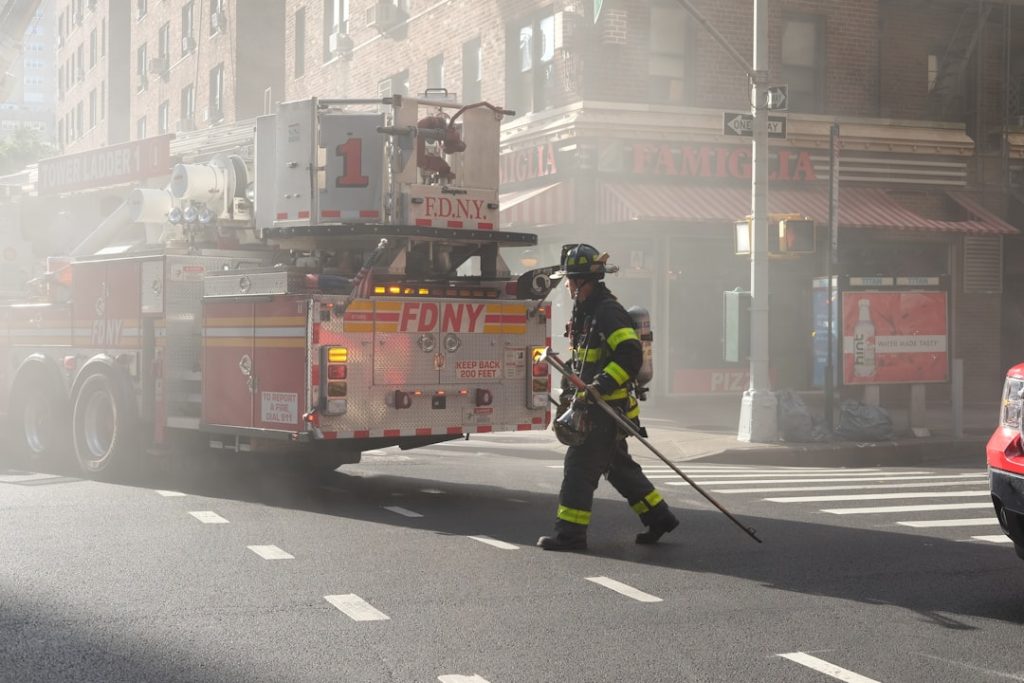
(471,71)
(79,118)
(93,48)
(164,41)
(218,21)
(217,93)
(531,47)
(164,117)
(670,48)
(103,100)
(142,6)
(141,68)
(80,65)
(803,63)
(300,42)
(435,71)
(335,27)
(397,84)
(188,103)
(93,110)
(188,43)
(103,37)
(140,128)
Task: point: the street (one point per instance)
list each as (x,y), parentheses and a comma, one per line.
(420,566)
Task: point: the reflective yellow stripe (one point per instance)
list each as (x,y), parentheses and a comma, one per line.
(616,372)
(616,395)
(591,355)
(653,498)
(620,335)
(573,516)
(640,507)
(633,412)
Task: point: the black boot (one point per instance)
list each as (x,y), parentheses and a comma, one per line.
(562,541)
(657,529)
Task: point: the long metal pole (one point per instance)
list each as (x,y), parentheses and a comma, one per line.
(552,359)
(758,419)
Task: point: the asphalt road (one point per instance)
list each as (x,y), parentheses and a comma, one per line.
(420,566)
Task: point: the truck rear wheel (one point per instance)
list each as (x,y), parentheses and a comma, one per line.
(37,421)
(104,434)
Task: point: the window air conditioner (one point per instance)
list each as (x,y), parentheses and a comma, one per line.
(159,65)
(218,22)
(187,44)
(383,15)
(340,44)
(186,125)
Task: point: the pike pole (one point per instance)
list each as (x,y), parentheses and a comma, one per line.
(552,359)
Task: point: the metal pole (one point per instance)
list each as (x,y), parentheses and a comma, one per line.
(832,252)
(758,419)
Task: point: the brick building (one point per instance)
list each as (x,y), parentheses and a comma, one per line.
(31,102)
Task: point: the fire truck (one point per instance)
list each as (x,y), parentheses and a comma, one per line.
(342,290)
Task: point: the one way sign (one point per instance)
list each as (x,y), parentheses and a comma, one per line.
(735,123)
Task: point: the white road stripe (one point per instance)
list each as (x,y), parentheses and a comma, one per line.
(495,542)
(208,517)
(356,608)
(435,492)
(402,511)
(853,487)
(827,668)
(456,678)
(271,552)
(772,471)
(16,478)
(720,482)
(866,476)
(910,508)
(626,590)
(170,494)
(1001,538)
(940,523)
(879,496)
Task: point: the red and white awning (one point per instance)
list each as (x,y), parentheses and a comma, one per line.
(539,206)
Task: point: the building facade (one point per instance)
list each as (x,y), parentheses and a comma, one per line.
(620,140)
(33,97)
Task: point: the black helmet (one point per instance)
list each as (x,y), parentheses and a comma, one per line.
(584,260)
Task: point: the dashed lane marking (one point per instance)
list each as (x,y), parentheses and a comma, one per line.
(993,539)
(495,542)
(170,494)
(878,496)
(852,487)
(720,482)
(208,517)
(943,523)
(271,552)
(402,511)
(827,668)
(910,508)
(456,678)
(435,492)
(624,589)
(356,608)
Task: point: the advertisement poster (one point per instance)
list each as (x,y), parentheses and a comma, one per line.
(895,337)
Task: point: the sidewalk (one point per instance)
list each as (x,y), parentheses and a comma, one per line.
(704,428)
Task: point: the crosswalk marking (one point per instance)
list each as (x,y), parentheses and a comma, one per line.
(941,523)
(208,517)
(271,552)
(624,589)
(994,539)
(770,476)
(495,542)
(455,678)
(719,482)
(827,668)
(356,608)
(909,508)
(170,494)
(402,511)
(878,496)
(852,487)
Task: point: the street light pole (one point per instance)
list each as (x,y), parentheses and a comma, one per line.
(758,419)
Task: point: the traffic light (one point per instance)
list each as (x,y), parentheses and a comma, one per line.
(796,236)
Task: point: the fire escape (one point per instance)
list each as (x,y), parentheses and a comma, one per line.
(948,90)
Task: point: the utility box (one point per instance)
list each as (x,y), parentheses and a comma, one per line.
(736,325)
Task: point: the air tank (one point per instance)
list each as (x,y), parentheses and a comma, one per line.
(642,322)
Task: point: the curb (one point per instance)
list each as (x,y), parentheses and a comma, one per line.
(933,452)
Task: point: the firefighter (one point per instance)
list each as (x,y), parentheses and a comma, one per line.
(606,353)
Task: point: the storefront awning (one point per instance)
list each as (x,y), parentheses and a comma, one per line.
(538,206)
(859,207)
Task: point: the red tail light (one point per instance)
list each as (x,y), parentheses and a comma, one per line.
(337,371)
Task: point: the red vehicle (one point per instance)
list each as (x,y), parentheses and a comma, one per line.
(1005,453)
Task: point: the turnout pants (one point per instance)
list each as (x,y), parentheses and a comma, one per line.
(604,452)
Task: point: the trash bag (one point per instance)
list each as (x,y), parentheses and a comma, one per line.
(862,422)
(795,420)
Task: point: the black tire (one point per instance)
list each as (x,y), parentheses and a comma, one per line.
(38,422)
(104,428)
(1019,547)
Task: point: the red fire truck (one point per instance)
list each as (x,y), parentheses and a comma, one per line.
(342,290)
(1005,454)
